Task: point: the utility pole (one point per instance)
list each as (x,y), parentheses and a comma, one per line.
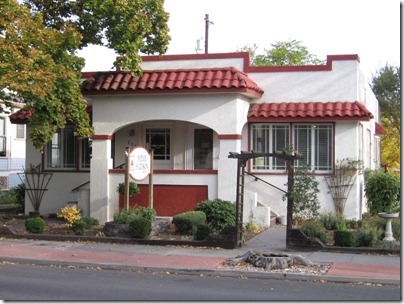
(207,23)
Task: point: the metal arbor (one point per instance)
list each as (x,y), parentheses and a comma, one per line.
(242,159)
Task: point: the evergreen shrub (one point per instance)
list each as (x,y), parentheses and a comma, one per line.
(79,227)
(219,213)
(202,232)
(140,227)
(344,238)
(183,225)
(35,225)
(89,221)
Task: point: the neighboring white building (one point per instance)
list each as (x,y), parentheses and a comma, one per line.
(12,149)
(192,110)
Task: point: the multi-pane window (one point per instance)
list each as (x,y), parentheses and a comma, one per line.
(268,138)
(66,152)
(158,140)
(203,149)
(2,136)
(313,141)
(20,131)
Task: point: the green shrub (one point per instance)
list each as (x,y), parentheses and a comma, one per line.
(89,221)
(183,225)
(382,190)
(202,232)
(331,221)
(366,237)
(304,194)
(396,228)
(140,227)
(145,212)
(133,188)
(344,238)
(126,216)
(79,227)
(219,213)
(374,221)
(15,195)
(35,225)
(196,217)
(315,229)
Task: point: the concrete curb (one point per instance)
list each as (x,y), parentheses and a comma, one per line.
(206,272)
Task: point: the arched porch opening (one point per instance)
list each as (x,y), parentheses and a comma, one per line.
(185,164)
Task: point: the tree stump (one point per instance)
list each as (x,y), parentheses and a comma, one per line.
(269,260)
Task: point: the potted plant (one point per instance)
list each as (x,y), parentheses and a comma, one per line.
(382,190)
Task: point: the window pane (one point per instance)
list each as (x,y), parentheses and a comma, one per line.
(20,131)
(61,151)
(159,141)
(2,136)
(69,150)
(268,138)
(280,141)
(203,149)
(86,150)
(323,149)
(260,143)
(302,143)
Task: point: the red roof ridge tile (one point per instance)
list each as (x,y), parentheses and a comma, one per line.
(178,80)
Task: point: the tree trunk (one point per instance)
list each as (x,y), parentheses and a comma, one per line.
(269,260)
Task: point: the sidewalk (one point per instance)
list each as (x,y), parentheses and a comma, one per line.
(346,267)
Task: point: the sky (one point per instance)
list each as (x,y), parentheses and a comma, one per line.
(368,28)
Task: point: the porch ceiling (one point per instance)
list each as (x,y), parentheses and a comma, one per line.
(201,80)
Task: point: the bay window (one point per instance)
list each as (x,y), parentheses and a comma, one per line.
(313,141)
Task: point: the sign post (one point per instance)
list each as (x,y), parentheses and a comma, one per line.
(137,166)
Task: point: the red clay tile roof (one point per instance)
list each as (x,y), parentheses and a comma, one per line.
(20,117)
(323,111)
(379,130)
(171,81)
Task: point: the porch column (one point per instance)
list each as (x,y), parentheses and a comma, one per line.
(227,167)
(101,162)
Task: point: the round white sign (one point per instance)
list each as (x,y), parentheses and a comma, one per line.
(139,163)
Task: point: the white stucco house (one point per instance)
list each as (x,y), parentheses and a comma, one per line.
(12,148)
(192,110)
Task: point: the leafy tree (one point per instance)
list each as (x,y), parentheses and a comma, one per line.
(282,53)
(386,85)
(38,44)
(38,66)
(129,27)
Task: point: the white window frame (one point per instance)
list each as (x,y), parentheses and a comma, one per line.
(3,137)
(65,152)
(19,128)
(311,154)
(268,144)
(166,161)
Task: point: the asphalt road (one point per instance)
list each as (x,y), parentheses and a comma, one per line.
(30,282)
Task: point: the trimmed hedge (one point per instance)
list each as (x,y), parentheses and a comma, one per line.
(186,221)
(35,225)
(344,238)
(140,227)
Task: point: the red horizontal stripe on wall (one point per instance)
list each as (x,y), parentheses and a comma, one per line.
(101,137)
(230,136)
